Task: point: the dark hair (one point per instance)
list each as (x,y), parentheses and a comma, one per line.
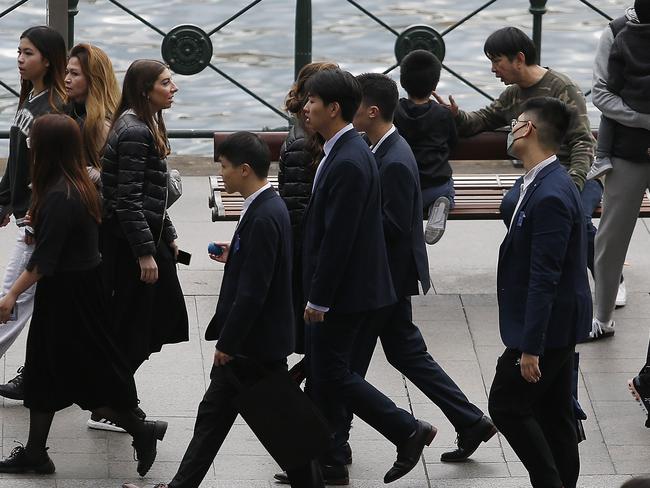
(637,483)
(297,97)
(336,85)
(56,153)
(52,47)
(419,73)
(139,80)
(508,42)
(246,147)
(381,91)
(642,9)
(552,119)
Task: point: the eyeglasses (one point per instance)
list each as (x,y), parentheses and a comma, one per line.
(514,122)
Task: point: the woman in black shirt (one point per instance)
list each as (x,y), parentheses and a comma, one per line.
(70,354)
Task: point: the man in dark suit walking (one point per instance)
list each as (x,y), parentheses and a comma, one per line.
(347,279)
(544,302)
(401,339)
(254,316)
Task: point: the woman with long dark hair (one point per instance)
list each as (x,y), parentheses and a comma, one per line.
(138,238)
(93,94)
(41,64)
(70,354)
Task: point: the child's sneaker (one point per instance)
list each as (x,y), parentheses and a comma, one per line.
(437,222)
(600,167)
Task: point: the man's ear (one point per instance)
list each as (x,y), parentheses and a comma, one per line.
(520,58)
(373,112)
(246,169)
(334,109)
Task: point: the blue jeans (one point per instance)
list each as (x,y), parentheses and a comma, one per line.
(431,194)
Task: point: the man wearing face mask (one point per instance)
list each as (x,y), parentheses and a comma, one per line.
(544,302)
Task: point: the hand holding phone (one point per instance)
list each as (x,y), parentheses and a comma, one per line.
(183,257)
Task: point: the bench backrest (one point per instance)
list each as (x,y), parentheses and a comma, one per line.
(483,146)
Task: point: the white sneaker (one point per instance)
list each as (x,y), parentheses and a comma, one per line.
(601,330)
(437,222)
(621,295)
(104,424)
(600,167)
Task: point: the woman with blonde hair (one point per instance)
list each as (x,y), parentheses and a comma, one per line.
(93,93)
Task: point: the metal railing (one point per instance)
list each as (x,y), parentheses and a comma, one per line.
(188,49)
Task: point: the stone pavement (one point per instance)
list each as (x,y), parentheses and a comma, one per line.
(459,321)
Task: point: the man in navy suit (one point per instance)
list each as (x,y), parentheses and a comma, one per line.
(401,339)
(544,302)
(254,316)
(346,278)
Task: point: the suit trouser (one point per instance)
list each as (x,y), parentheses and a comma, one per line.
(538,419)
(337,390)
(215,417)
(624,189)
(18,259)
(406,351)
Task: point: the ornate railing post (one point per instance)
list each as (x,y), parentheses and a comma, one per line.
(537,8)
(72,11)
(302,50)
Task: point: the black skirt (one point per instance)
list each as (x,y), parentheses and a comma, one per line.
(143,317)
(71,357)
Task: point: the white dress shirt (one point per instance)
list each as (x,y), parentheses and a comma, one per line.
(383,138)
(249,200)
(327,147)
(528,179)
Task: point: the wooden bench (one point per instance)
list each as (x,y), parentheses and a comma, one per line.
(478,196)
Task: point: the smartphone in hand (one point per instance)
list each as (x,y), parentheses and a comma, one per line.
(183,257)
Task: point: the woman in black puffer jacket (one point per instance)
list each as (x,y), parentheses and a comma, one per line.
(298,163)
(138,238)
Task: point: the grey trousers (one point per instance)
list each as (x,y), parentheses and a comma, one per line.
(16,263)
(624,189)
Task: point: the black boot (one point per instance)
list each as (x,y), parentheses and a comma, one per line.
(19,463)
(14,388)
(145,444)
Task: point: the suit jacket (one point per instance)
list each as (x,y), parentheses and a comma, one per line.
(254,315)
(345,266)
(542,287)
(401,203)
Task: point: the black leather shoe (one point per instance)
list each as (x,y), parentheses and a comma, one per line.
(14,388)
(408,454)
(332,475)
(145,444)
(18,462)
(469,439)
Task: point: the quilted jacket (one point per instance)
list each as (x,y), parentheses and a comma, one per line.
(134,186)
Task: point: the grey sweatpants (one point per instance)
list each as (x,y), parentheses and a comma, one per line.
(624,189)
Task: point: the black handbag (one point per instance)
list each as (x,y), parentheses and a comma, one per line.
(282,417)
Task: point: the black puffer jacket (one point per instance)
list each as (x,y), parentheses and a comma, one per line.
(134,180)
(296,176)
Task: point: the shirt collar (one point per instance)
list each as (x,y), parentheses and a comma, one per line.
(253,196)
(532,174)
(384,137)
(329,144)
